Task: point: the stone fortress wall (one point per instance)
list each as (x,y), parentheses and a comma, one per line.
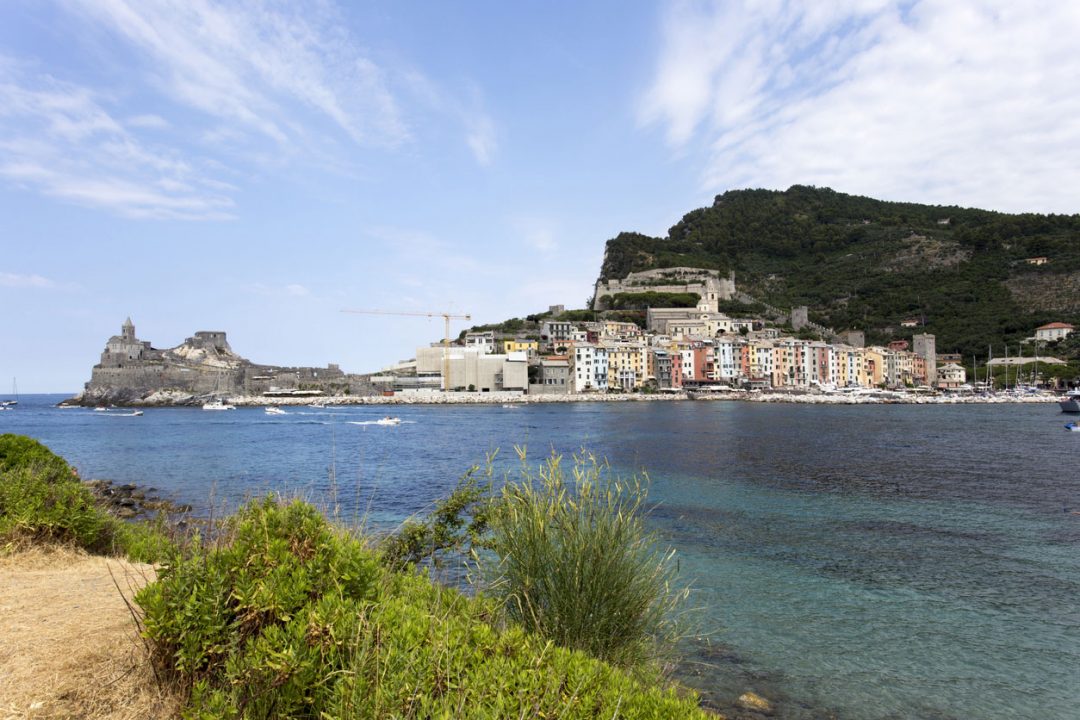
(203,365)
(706,283)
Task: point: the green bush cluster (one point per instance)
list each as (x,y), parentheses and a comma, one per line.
(42,500)
(286,617)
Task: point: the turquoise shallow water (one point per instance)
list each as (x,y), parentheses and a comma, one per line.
(856,562)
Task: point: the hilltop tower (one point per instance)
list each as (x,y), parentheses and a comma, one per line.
(127,330)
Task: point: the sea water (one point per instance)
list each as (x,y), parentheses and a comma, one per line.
(857,562)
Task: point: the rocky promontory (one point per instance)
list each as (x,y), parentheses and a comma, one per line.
(204,366)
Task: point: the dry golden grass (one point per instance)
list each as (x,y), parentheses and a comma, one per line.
(69,647)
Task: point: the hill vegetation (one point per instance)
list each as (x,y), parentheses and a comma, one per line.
(966,275)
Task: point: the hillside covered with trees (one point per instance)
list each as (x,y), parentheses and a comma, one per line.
(971,277)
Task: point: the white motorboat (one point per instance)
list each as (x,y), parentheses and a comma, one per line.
(388,421)
(217,404)
(101,409)
(275,411)
(1070,402)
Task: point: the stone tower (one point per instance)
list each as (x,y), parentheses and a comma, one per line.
(925,346)
(127,330)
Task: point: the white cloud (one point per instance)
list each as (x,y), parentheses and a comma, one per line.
(937,100)
(58,139)
(297,290)
(14,280)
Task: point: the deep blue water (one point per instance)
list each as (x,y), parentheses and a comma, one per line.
(857,562)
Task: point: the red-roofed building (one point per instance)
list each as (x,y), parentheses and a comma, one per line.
(1053,331)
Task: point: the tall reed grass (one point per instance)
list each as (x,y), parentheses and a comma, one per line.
(576,563)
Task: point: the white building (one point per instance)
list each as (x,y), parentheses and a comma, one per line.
(482,341)
(1053,331)
(590,371)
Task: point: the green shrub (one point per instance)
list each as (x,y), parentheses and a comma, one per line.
(35,508)
(288,618)
(42,500)
(19,451)
(576,563)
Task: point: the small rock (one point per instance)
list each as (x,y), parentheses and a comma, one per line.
(753,701)
(126,512)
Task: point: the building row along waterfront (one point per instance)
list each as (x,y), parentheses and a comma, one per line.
(684,349)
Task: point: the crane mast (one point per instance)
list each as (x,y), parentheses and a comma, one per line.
(446,316)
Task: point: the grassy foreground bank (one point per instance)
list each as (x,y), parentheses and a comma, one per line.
(283,614)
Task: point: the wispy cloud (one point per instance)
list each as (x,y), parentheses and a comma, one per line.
(933,100)
(251,63)
(290,290)
(14,280)
(58,139)
(150,121)
(480,132)
(537,233)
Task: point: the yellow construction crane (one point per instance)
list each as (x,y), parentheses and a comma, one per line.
(447,317)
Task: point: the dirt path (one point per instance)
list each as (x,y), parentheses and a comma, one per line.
(68,644)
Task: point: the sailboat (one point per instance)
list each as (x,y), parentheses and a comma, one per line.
(6,404)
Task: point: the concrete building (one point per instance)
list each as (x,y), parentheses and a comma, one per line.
(473,370)
(553,377)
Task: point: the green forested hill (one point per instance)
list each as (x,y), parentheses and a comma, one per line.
(868,264)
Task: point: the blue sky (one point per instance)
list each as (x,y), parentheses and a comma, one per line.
(257,166)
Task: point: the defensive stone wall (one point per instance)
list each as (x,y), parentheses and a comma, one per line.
(706,283)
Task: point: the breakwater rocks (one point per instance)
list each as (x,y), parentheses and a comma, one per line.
(516,399)
(131,501)
(174,398)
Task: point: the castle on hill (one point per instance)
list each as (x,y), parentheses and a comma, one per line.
(131,370)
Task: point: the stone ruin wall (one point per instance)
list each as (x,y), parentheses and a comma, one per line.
(701,282)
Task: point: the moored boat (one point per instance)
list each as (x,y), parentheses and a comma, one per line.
(1070,402)
(217,404)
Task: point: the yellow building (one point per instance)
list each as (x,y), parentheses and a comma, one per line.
(627,365)
(874,365)
(531,347)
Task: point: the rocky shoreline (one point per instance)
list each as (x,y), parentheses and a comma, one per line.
(168,398)
(129,501)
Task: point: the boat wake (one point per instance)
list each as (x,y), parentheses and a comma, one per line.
(380,422)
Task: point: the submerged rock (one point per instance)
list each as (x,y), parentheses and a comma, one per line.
(753,701)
